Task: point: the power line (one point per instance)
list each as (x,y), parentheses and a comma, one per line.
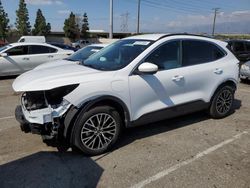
(169,7)
(196,4)
(184,5)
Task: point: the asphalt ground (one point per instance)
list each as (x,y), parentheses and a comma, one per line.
(188,151)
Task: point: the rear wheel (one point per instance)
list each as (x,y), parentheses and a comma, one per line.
(222,102)
(97,130)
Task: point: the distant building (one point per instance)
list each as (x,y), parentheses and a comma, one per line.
(93,34)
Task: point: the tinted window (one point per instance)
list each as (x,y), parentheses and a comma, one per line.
(36,49)
(196,52)
(19,50)
(248,46)
(166,56)
(238,46)
(84,53)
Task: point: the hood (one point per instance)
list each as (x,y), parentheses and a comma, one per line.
(52,77)
(56,63)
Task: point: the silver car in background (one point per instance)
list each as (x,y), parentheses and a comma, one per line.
(245,71)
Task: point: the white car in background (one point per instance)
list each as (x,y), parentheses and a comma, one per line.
(78,57)
(17,58)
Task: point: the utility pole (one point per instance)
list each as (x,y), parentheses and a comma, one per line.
(111,20)
(215,14)
(138,17)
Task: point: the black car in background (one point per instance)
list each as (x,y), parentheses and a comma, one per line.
(63,46)
(241,49)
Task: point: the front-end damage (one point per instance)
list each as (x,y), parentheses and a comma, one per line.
(42,112)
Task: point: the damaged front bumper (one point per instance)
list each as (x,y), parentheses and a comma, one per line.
(41,121)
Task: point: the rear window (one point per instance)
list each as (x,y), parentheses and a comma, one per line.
(238,46)
(37,49)
(248,46)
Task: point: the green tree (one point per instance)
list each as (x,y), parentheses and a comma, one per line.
(22,20)
(48,29)
(40,26)
(85,26)
(70,28)
(4,21)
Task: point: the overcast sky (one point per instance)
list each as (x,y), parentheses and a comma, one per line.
(156,15)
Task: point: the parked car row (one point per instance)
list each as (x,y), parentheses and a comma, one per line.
(63,46)
(241,49)
(17,58)
(80,44)
(136,80)
(84,99)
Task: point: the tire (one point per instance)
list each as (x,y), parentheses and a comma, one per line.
(97,130)
(222,102)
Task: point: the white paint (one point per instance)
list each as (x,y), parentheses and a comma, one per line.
(8,117)
(186,162)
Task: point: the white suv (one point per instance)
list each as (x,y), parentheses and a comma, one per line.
(137,80)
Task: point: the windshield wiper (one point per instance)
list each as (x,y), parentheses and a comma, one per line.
(87,65)
(68,59)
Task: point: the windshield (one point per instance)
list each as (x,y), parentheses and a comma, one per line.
(117,55)
(4,47)
(84,53)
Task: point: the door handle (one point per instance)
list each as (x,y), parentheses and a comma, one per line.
(50,56)
(26,58)
(218,71)
(177,78)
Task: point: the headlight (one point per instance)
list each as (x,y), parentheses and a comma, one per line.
(33,100)
(56,95)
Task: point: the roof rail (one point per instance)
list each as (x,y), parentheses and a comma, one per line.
(188,34)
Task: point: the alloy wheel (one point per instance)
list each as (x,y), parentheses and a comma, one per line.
(224,102)
(98,131)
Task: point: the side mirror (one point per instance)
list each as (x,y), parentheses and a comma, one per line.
(148,68)
(3,54)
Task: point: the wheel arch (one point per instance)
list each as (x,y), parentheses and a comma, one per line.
(230,82)
(75,112)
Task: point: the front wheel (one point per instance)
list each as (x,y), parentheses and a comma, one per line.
(222,102)
(97,130)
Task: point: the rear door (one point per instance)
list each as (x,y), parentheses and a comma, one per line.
(203,68)
(39,54)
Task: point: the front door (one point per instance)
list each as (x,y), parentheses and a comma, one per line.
(15,61)
(150,93)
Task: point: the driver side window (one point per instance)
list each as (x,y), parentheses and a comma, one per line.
(166,56)
(19,50)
